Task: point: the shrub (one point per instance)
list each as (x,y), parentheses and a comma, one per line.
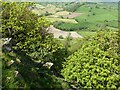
(27,29)
(47,13)
(82,27)
(41,78)
(17,20)
(105,20)
(73,7)
(88,15)
(61,37)
(70,13)
(31,37)
(62,17)
(93,13)
(89,10)
(104,8)
(96,64)
(96,6)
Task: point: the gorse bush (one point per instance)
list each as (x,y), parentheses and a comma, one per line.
(96,64)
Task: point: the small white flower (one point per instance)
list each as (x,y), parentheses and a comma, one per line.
(8,78)
(48,64)
(16,73)
(7,40)
(18,60)
(10,62)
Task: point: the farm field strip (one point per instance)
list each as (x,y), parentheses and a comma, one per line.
(63,20)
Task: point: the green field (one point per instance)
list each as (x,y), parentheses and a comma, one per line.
(86,33)
(62,20)
(95,16)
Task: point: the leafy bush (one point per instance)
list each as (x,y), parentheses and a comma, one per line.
(11,79)
(93,14)
(96,64)
(31,38)
(61,37)
(41,76)
(47,13)
(27,29)
(17,20)
(57,24)
(96,6)
(89,10)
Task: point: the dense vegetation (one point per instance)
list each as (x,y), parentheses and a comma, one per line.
(32,47)
(96,64)
(38,60)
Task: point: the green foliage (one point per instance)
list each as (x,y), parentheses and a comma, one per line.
(96,64)
(93,16)
(17,20)
(72,7)
(29,32)
(9,78)
(68,39)
(61,37)
(30,75)
(47,13)
(33,45)
(38,40)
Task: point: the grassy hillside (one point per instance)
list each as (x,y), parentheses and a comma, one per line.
(62,20)
(93,16)
(96,16)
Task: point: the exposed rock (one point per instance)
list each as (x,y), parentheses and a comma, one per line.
(7,45)
(48,64)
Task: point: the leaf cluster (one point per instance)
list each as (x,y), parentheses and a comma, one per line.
(96,64)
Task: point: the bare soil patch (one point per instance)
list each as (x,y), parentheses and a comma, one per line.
(57,32)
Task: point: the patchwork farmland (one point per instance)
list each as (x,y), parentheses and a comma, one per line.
(83,18)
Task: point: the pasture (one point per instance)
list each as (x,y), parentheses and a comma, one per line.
(84,18)
(62,20)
